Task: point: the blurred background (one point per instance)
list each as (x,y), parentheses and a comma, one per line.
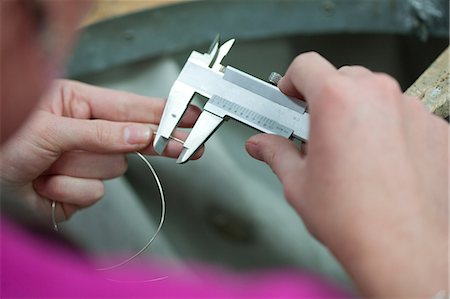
(227,209)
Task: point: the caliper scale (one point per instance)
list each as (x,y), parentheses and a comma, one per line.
(231,93)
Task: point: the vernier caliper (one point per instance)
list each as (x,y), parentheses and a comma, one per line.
(232,94)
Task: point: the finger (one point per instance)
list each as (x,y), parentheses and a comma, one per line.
(67,134)
(65,189)
(63,211)
(304,149)
(100,136)
(175,146)
(354,71)
(306,76)
(189,117)
(87,101)
(287,87)
(280,154)
(89,165)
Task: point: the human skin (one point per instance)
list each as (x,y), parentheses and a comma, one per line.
(376,162)
(76,138)
(373,185)
(78,134)
(35,39)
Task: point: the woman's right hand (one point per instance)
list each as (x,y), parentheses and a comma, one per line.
(373,185)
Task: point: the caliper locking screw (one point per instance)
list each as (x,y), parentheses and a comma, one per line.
(274,78)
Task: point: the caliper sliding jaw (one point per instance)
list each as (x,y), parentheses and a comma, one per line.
(232,94)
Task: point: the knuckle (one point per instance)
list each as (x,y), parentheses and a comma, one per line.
(360,68)
(59,84)
(331,84)
(44,131)
(354,69)
(363,69)
(389,92)
(345,68)
(121,165)
(333,87)
(66,90)
(298,61)
(388,83)
(121,111)
(102,133)
(310,55)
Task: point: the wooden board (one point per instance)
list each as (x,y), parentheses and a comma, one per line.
(432,87)
(105,9)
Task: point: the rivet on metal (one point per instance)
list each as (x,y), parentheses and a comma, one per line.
(274,78)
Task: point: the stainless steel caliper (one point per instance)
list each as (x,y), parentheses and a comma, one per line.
(232,94)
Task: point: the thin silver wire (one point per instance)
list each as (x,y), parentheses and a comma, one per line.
(176,139)
(161,222)
(139,281)
(55,224)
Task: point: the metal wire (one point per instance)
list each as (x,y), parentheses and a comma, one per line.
(55,224)
(161,221)
(150,241)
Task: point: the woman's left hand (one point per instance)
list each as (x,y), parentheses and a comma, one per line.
(77,137)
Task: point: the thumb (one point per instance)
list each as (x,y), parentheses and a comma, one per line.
(100,135)
(280,154)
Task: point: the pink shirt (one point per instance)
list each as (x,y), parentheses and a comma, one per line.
(39,268)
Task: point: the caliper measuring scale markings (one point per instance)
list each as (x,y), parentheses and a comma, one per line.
(232,94)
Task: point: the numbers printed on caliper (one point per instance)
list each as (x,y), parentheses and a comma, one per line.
(248,117)
(232,94)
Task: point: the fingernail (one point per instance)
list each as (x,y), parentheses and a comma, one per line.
(137,134)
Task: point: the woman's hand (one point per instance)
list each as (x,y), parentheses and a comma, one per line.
(373,185)
(77,137)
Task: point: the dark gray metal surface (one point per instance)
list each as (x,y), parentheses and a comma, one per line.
(170,29)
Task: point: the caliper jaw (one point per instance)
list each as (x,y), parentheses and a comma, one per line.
(181,94)
(231,93)
(205,126)
(179,98)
